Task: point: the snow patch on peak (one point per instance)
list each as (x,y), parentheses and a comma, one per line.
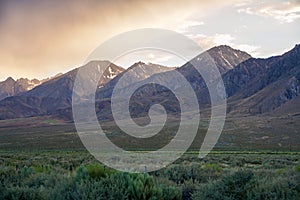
(110,70)
(199,58)
(235,54)
(225,59)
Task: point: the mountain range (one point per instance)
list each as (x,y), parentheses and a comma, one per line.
(254,86)
(11,87)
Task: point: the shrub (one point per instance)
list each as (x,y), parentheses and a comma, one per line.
(178,173)
(26,172)
(98,171)
(23,193)
(297,168)
(234,186)
(81,174)
(136,186)
(275,188)
(63,189)
(211,167)
(211,171)
(170,192)
(141,186)
(187,190)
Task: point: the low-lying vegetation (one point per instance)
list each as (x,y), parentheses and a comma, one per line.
(76,175)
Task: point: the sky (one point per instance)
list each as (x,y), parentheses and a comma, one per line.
(41,38)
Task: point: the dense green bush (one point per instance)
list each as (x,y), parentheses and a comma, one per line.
(178,173)
(234,186)
(245,185)
(136,186)
(97,171)
(19,193)
(87,182)
(297,168)
(276,188)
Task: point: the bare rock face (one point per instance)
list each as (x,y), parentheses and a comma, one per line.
(293,88)
(7,88)
(11,87)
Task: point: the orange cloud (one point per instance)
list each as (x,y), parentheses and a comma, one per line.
(42,38)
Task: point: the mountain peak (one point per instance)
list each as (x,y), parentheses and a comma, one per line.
(227,49)
(10,79)
(140,63)
(296,48)
(137,64)
(226,57)
(223,46)
(294,53)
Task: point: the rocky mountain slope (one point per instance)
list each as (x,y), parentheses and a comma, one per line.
(223,57)
(137,72)
(52,95)
(262,85)
(253,86)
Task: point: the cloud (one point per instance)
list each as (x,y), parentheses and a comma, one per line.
(188,24)
(41,38)
(251,49)
(160,58)
(243,3)
(209,41)
(149,56)
(284,12)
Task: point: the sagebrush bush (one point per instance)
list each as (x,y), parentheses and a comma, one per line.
(246,185)
(234,186)
(17,193)
(97,171)
(297,168)
(276,188)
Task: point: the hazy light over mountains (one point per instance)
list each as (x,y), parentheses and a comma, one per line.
(42,38)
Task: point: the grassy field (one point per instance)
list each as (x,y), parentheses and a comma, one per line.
(249,133)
